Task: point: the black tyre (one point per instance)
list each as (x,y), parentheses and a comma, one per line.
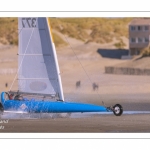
(117,110)
(1,108)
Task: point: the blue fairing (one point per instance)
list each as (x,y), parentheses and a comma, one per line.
(38,106)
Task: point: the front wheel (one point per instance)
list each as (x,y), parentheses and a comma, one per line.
(117,110)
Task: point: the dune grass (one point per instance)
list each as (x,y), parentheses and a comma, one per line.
(58,41)
(120,44)
(9,31)
(146,52)
(102,30)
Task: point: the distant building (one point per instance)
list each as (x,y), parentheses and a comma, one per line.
(139,35)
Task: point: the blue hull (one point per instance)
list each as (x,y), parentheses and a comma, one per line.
(48,106)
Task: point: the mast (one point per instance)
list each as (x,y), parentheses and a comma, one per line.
(61,95)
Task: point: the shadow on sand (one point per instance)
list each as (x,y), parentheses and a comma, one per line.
(113,53)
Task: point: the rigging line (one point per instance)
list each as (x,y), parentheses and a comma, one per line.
(79,60)
(18,69)
(22,60)
(81,64)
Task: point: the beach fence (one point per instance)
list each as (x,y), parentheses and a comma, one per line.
(127,71)
(8,71)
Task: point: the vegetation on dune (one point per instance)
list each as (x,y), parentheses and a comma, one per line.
(69,27)
(120,44)
(58,41)
(100,30)
(9,31)
(146,52)
(103,30)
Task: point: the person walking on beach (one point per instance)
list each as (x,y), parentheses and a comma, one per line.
(6,85)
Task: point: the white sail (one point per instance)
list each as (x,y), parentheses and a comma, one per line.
(38,66)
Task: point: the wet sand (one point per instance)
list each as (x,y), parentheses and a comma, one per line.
(137,123)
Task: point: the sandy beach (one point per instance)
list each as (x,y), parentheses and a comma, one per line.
(132,92)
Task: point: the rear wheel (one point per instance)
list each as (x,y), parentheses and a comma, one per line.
(1,108)
(117,110)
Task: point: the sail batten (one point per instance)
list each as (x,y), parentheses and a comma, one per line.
(39,71)
(35,79)
(34,54)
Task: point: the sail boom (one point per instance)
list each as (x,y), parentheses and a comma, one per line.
(35,94)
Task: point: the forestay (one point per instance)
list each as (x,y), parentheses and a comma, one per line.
(38,66)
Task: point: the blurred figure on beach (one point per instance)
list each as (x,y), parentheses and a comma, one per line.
(78,84)
(6,86)
(95,86)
